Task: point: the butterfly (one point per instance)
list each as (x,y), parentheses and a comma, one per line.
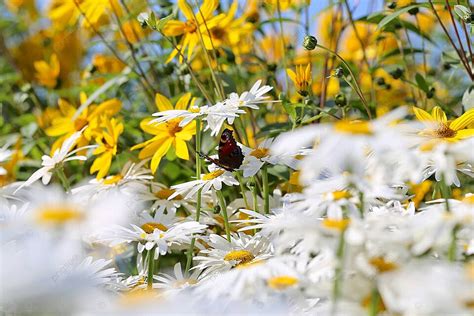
(230,154)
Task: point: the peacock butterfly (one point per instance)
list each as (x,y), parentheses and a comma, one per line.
(230,154)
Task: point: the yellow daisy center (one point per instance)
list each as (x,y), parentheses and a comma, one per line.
(164,194)
(260,153)
(282,282)
(150,227)
(469,199)
(173,127)
(339,195)
(241,256)
(212,175)
(382,265)
(113,179)
(443,131)
(58,214)
(353,127)
(218,32)
(336,224)
(190,26)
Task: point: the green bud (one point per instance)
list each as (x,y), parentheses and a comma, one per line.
(340,99)
(310,42)
(339,72)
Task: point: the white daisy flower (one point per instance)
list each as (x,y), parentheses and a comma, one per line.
(224,255)
(60,156)
(212,180)
(173,284)
(160,196)
(250,98)
(161,231)
(256,158)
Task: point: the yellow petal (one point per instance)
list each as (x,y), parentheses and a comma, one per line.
(462,121)
(162,150)
(173,28)
(186,9)
(102,164)
(439,115)
(422,115)
(181,149)
(291,74)
(465,133)
(183,102)
(162,103)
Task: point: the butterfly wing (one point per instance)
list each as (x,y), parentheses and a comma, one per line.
(230,153)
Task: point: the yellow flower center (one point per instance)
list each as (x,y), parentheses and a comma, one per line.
(212,175)
(190,26)
(336,224)
(113,179)
(79,123)
(173,127)
(150,227)
(164,194)
(353,127)
(58,214)
(382,265)
(443,131)
(241,256)
(339,195)
(218,32)
(282,282)
(260,153)
(469,199)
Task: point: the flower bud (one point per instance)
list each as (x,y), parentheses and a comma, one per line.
(392,5)
(310,42)
(340,99)
(339,72)
(397,73)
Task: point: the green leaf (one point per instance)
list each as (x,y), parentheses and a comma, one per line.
(422,84)
(389,18)
(290,109)
(162,22)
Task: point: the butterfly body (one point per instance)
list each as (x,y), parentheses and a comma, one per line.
(229,152)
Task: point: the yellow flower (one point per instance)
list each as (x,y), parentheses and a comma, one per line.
(107,64)
(272,49)
(107,149)
(200,22)
(65,13)
(438,126)
(65,124)
(47,74)
(168,135)
(301,79)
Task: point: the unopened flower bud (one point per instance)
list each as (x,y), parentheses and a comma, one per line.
(340,99)
(310,42)
(339,72)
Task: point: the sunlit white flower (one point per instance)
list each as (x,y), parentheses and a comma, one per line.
(60,156)
(173,284)
(224,255)
(161,231)
(250,98)
(212,180)
(256,158)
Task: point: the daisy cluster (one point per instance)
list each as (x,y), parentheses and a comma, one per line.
(345,235)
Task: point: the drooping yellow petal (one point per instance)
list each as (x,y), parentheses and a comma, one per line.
(462,121)
(291,74)
(153,128)
(102,164)
(162,150)
(422,115)
(181,149)
(162,103)
(439,115)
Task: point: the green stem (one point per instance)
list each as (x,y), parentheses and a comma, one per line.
(266,190)
(452,245)
(189,255)
(336,291)
(242,188)
(151,268)
(445,192)
(223,206)
(374,302)
(253,189)
(62,177)
(356,85)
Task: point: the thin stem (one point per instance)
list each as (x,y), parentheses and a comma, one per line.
(189,255)
(374,302)
(338,273)
(223,207)
(151,268)
(356,85)
(242,188)
(452,245)
(457,34)
(266,190)
(255,195)
(62,177)
(468,39)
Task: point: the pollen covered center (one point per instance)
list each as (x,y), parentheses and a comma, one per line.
(164,194)
(58,214)
(190,26)
(443,131)
(260,152)
(173,127)
(282,282)
(150,227)
(241,256)
(212,175)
